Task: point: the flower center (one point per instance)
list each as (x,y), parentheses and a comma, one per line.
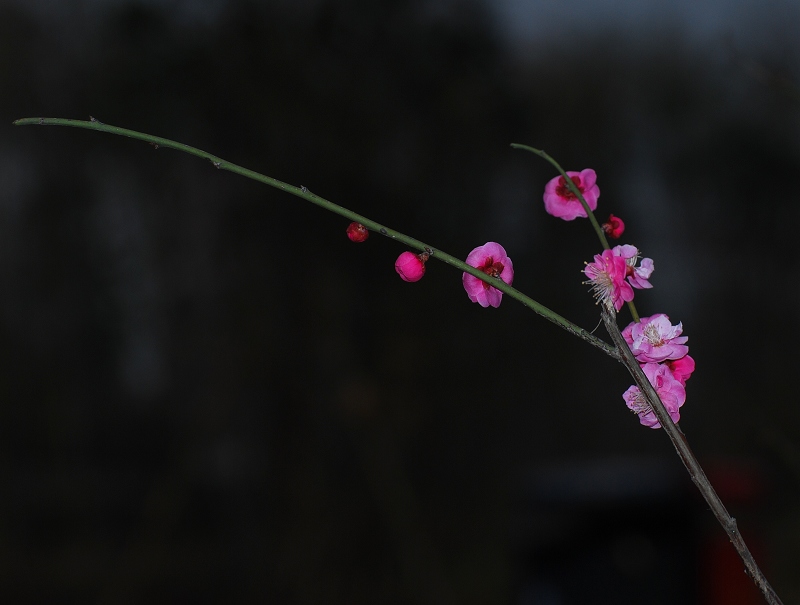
(563,190)
(602,286)
(492,269)
(639,405)
(652,335)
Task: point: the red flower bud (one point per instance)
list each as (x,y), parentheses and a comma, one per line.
(614,227)
(357,232)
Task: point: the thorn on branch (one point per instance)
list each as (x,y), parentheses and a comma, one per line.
(216,164)
(41,121)
(155,145)
(303,188)
(93,119)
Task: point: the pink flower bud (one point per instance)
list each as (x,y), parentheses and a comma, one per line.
(357,232)
(614,227)
(410,266)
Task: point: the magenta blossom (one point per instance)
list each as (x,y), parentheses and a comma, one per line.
(681,368)
(607,276)
(614,227)
(562,203)
(655,339)
(637,276)
(410,267)
(490,258)
(671,392)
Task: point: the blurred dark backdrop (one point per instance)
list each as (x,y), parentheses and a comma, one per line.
(210,395)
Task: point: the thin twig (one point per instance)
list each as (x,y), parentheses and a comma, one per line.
(689,461)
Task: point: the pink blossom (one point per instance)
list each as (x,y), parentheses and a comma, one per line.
(681,368)
(607,276)
(492,259)
(410,266)
(614,227)
(637,276)
(562,203)
(357,232)
(671,392)
(655,339)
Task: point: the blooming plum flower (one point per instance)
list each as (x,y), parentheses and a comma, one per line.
(491,258)
(637,276)
(607,276)
(614,227)
(681,368)
(655,339)
(410,267)
(671,392)
(357,232)
(562,203)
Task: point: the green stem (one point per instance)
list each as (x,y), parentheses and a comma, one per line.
(577,192)
(304,193)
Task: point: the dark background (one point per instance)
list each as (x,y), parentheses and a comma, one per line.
(209,394)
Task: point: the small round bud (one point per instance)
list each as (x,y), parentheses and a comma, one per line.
(410,267)
(614,227)
(357,232)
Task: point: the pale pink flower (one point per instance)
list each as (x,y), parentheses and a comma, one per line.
(655,339)
(637,276)
(607,276)
(562,203)
(492,259)
(410,267)
(671,392)
(681,368)
(614,227)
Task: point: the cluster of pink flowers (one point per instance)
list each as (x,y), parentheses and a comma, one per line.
(664,357)
(657,345)
(614,274)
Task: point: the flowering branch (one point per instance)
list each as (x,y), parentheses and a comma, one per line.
(686,455)
(304,193)
(601,234)
(651,348)
(658,361)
